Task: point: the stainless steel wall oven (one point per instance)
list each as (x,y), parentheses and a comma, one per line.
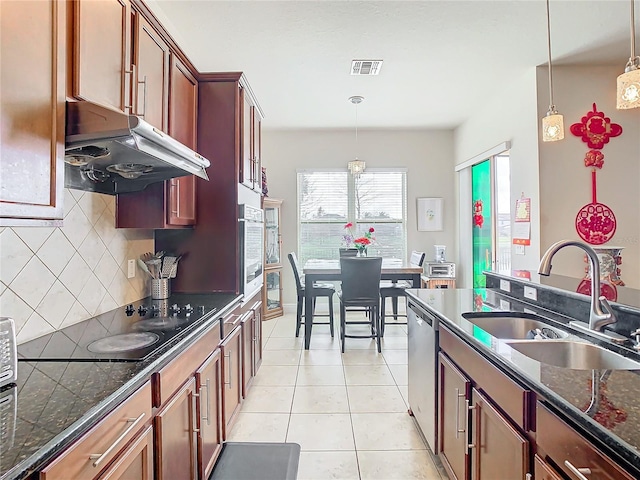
(251,224)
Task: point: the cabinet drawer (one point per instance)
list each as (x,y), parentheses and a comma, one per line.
(513,399)
(564,446)
(105,439)
(173,375)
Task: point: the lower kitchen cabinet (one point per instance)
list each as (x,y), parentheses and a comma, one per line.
(574,456)
(208,384)
(482,418)
(135,462)
(175,436)
(455,389)
(543,471)
(231,349)
(107,444)
(499,450)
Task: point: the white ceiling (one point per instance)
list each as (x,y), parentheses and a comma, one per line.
(442,59)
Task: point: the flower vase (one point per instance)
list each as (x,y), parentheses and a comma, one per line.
(362,252)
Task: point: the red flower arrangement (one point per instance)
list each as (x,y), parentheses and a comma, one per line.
(360,243)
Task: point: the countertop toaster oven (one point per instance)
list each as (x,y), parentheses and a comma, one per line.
(440,270)
(8,352)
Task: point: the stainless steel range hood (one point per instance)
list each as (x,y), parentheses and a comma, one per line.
(108,151)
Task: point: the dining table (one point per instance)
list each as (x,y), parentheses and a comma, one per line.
(315,270)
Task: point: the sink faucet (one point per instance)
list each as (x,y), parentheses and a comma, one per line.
(601,313)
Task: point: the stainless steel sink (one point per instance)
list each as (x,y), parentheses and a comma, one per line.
(575,355)
(514,325)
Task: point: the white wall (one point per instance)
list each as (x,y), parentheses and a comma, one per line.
(427,155)
(511,116)
(565,182)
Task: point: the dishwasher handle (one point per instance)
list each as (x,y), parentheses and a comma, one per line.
(422,315)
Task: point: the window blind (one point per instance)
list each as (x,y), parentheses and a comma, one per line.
(327,200)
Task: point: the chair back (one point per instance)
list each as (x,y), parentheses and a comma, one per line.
(360,278)
(348,252)
(416,259)
(293,259)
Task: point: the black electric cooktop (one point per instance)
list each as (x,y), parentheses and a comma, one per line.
(130,333)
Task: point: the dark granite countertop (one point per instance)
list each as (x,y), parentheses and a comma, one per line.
(614,426)
(54,402)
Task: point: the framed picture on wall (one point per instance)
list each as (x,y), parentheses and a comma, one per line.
(429,214)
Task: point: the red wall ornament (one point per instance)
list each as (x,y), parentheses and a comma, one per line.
(596,129)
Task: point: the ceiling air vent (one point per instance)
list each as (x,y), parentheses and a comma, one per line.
(366,67)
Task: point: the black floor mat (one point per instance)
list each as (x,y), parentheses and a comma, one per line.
(257,461)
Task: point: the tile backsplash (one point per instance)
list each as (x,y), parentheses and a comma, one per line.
(54,277)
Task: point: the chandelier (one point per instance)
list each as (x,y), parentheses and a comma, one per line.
(628,95)
(356,167)
(552,122)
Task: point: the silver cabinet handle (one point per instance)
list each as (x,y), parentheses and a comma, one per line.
(174,186)
(133,81)
(194,397)
(528,476)
(100,457)
(229,357)
(207,417)
(578,472)
(467,409)
(144,97)
(458,396)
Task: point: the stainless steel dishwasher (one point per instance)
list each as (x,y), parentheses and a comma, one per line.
(423,375)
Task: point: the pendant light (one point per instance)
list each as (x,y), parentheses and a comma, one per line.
(356,167)
(628,95)
(552,122)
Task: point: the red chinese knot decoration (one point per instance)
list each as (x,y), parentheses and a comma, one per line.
(595,129)
(478,217)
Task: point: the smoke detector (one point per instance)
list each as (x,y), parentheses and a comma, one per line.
(366,67)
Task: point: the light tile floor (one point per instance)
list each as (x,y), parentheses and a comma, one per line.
(347,411)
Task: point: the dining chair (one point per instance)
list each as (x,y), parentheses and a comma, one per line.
(396,289)
(360,287)
(319,290)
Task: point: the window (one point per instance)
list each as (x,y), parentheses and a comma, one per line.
(328,199)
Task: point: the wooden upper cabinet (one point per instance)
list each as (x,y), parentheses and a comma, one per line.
(172,203)
(101,52)
(151,91)
(32,109)
(251,122)
(183,110)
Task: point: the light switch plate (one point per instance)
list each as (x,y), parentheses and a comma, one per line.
(530,293)
(505,285)
(504,305)
(131,268)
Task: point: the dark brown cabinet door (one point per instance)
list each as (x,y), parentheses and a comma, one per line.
(101,55)
(247,353)
(246,163)
(454,396)
(135,462)
(32,102)
(175,438)
(208,382)
(183,101)
(498,449)
(151,57)
(231,350)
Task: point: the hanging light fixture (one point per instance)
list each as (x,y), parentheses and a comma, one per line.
(552,122)
(356,167)
(629,82)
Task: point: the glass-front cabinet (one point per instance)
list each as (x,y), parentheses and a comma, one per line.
(272,290)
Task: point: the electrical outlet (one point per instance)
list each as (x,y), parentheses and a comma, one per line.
(131,268)
(505,285)
(505,306)
(530,293)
